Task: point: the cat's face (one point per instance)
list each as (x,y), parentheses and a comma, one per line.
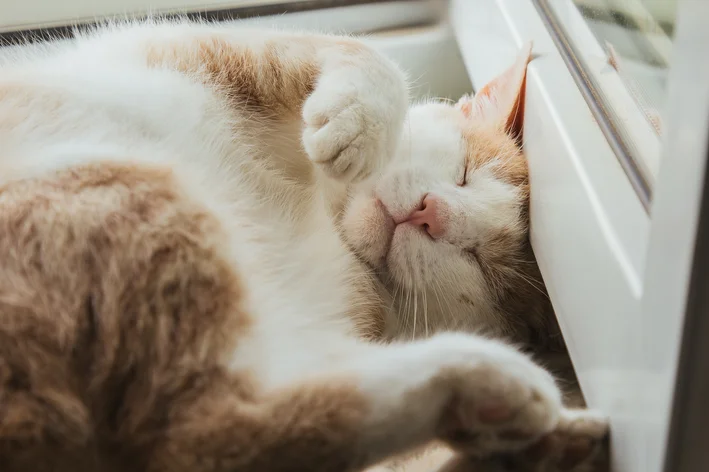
(445,227)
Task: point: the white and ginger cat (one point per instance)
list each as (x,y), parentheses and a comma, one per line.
(202,230)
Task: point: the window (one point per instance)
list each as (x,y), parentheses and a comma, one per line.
(619,52)
(637,36)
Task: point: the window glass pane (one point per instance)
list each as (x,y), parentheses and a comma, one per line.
(623,48)
(637,37)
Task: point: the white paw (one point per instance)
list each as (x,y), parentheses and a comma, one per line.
(501,400)
(354,117)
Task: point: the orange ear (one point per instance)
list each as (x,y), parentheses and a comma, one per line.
(501,101)
(466,105)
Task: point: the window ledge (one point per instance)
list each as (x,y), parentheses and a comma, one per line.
(589,229)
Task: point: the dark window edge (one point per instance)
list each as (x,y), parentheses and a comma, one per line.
(689,421)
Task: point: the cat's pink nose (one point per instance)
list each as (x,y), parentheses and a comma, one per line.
(429,217)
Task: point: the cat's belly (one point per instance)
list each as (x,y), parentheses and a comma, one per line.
(308,295)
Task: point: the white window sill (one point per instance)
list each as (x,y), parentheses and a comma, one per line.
(589,230)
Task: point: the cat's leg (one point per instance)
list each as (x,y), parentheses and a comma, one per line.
(578,443)
(477,395)
(349,99)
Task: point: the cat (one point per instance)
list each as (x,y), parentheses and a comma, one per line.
(201,229)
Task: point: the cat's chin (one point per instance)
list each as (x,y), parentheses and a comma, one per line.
(403,260)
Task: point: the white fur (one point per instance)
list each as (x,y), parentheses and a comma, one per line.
(95,100)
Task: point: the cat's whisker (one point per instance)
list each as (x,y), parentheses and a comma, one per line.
(439,305)
(425,312)
(410,301)
(450,316)
(406,309)
(416,301)
(413,83)
(414,305)
(413,335)
(535,285)
(393,298)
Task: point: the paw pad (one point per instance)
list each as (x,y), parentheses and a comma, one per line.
(494,413)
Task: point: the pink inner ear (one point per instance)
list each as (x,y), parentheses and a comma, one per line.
(515,120)
(502,99)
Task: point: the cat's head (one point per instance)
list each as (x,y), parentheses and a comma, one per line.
(446,226)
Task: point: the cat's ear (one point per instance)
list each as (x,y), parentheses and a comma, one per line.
(501,101)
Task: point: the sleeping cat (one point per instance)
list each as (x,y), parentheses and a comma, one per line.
(204,230)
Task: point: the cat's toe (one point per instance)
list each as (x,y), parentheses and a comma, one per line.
(584,435)
(338,145)
(578,444)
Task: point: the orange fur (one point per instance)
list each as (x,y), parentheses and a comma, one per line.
(507,258)
(117,308)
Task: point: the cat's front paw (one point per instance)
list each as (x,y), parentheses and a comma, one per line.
(501,401)
(354,116)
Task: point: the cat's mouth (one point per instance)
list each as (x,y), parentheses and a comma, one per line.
(399,235)
(387,245)
(403,262)
(389,227)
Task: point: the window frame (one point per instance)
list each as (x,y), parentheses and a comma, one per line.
(675,352)
(346,16)
(622,280)
(412,32)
